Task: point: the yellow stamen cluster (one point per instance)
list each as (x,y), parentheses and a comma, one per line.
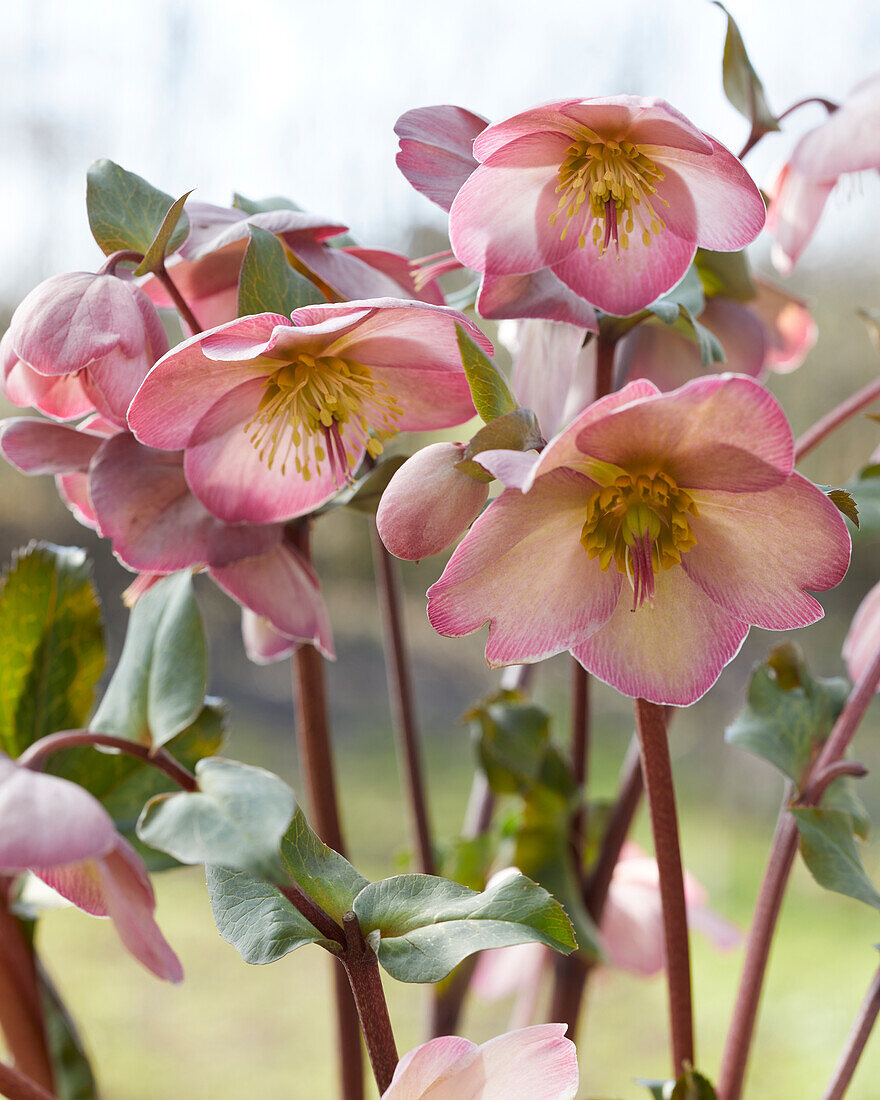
(322,409)
(617,181)
(640,522)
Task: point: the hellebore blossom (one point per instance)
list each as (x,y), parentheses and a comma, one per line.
(63,835)
(847,141)
(274,414)
(79,342)
(610,196)
(536,1062)
(646,538)
(863,637)
(428,503)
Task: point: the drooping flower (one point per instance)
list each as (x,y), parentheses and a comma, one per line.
(521,1065)
(847,141)
(863,637)
(78,342)
(63,835)
(428,503)
(611,196)
(275,414)
(646,538)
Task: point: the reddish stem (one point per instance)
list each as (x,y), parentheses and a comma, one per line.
(829,105)
(36,754)
(21,1011)
(362,968)
(813,436)
(855,1043)
(16,1086)
(314,914)
(179,301)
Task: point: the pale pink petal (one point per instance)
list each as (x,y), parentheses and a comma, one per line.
(494,576)
(521,1065)
(144,505)
(214,227)
(553,373)
(796,204)
(550,116)
(282,587)
(436,149)
(538,294)
(757,554)
(847,141)
(651,122)
(632,927)
(398,268)
(863,637)
(74,492)
(428,1065)
(502,971)
(788,324)
(37,446)
(244,339)
(722,933)
(262,642)
(670,651)
(63,397)
(514,469)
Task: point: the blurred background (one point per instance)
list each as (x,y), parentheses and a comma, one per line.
(300,99)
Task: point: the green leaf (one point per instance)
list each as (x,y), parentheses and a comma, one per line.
(326,876)
(425,926)
(844,503)
(865,491)
(51,644)
(268,283)
(124,784)
(262,206)
(686,295)
(514,431)
(490,392)
(690,1086)
(788,714)
(840,795)
(127,212)
(259,923)
(742,85)
(158,687)
(236,819)
(725,274)
(74,1079)
(154,257)
(829,849)
(468,859)
(368,491)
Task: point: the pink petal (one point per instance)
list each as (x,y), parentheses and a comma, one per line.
(345,273)
(646,122)
(74,492)
(398,268)
(521,1065)
(262,642)
(847,141)
(670,651)
(632,927)
(788,325)
(863,637)
(37,446)
(62,398)
(514,469)
(502,971)
(538,294)
(553,374)
(549,116)
(244,339)
(143,503)
(427,1065)
(722,933)
(282,587)
(523,570)
(214,227)
(753,558)
(436,149)
(796,205)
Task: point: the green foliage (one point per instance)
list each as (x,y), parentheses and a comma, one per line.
(158,687)
(127,212)
(268,283)
(514,431)
(828,845)
(154,258)
(422,926)
(725,274)
(742,85)
(326,876)
(262,206)
(51,644)
(690,1086)
(845,504)
(490,392)
(468,859)
(865,491)
(236,819)
(788,713)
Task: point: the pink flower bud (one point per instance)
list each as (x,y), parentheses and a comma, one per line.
(428,503)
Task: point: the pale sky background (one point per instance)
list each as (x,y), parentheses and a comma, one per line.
(300,98)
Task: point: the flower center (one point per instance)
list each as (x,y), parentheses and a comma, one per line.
(617,181)
(640,522)
(323,409)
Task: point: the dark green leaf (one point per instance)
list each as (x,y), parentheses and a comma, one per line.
(514,431)
(788,713)
(840,795)
(262,206)
(154,257)
(828,846)
(690,1086)
(491,394)
(127,212)
(158,687)
(326,876)
(51,644)
(369,490)
(845,504)
(468,859)
(725,274)
(236,819)
(74,1079)
(424,926)
(742,85)
(268,283)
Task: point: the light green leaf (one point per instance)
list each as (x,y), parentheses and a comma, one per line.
(742,85)
(51,644)
(326,876)
(154,258)
(236,819)
(262,206)
(685,295)
(491,394)
(158,686)
(127,212)
(268,283)
(726,274)
(828,846)
(514,431)
(425,926)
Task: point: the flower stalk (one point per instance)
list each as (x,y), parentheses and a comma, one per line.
(838,416)
(855,1043)
(21,1014)
(36,754)
(362,968)
(16,1086)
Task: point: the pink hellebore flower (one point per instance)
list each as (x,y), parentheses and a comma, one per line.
(65,836)
(536,1063)
(863,637)
(81,341)
(274,414)
(847,141)
(428,503)
(646,538)
(612,196)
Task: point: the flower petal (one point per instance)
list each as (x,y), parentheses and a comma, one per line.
(553,373)
(428,1065)
(788,324)
(863,637)
(436,149)
(521,1065)
(37,446)
(757,553)
(262,642)
(63,397)
(549,116)
(539,294)
(796,204)
(847,141)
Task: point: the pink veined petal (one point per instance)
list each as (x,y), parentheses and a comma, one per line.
(74,492)
(214,227)
(346,273)
(788,325)
(796,204)
(523,570)
(536,120)
(847,141)
(632,927)
(225,471)
(670,651)
(246,338)
(521,1065)
(427,1065)
(514,469)
(719,432)
(728,206)
(144,505)
(46,821)
(863,637)
(280,586)
(444,132)
(539,294)
(63,397)
(397,267)
(641,121)
(262,642)
(37,446)
(757,553)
